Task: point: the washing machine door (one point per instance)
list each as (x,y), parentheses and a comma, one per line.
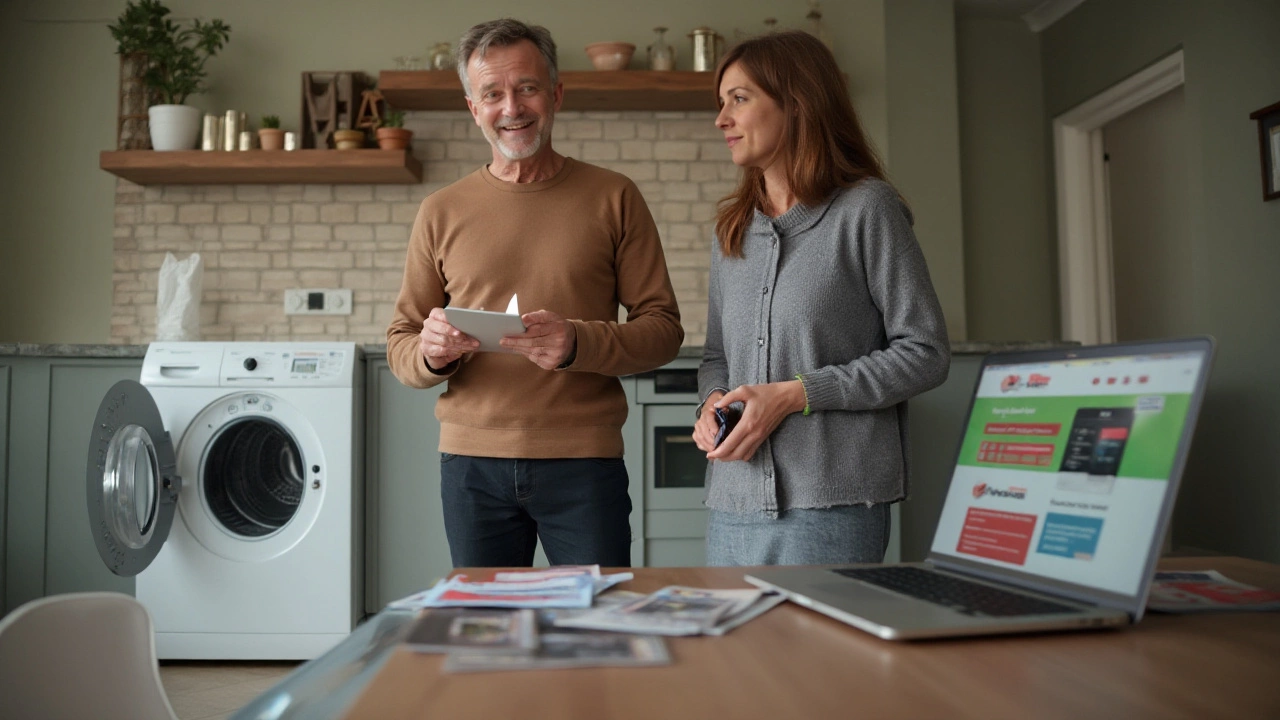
(133,482)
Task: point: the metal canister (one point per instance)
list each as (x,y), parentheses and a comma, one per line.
(231,130)
(707,46)
(246,140)
(211,136)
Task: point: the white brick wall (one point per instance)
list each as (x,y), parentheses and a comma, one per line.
(258,240)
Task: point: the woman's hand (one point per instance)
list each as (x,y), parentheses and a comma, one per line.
(764,409)
(704,431)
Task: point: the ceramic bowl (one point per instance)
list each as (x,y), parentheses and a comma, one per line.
(610,55)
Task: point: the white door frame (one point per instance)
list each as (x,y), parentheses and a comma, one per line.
(1084,218)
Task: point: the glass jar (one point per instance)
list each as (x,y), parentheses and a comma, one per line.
(441,57)
(661,55)
(707,46)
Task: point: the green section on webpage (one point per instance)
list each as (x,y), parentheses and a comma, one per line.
(1132,436)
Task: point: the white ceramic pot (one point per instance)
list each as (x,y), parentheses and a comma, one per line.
(174,127)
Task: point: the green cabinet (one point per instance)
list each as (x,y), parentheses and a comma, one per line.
(50,404)
(405,545)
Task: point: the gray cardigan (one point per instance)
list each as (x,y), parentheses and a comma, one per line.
(839,294)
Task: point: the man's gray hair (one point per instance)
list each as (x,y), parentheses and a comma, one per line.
(501,33)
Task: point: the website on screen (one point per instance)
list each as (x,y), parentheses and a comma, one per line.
(1064,466)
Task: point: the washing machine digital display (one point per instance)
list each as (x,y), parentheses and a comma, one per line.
(305,365)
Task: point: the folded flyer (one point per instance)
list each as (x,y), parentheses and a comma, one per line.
(568,649)
(673,610)
(1206,591)
(742,615)
(482,630)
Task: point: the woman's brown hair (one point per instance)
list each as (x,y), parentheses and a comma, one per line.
(821,131)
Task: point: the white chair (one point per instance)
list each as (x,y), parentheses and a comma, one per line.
(81,655)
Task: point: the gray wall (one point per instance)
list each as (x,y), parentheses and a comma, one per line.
(1232,491)
(1009,256)
(924,152)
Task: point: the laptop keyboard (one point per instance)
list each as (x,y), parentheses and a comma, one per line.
(960,595)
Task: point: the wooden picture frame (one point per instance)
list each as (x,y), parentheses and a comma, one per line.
(1269,145)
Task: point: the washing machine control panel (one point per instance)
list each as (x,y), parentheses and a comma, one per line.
(283,365)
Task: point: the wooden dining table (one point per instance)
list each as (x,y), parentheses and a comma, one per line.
(796,663)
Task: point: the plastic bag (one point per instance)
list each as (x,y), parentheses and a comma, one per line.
(178,298)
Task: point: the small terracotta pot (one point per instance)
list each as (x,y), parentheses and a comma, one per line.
(391,138)
(271,138)
(348,139)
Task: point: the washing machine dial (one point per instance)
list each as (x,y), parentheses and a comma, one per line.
(250,364)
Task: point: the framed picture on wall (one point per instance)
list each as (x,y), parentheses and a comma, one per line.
(1269,144)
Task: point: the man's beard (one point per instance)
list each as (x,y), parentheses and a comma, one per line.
(494,136)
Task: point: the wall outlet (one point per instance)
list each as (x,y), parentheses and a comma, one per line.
(317,301)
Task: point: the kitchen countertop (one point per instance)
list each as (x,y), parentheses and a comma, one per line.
(72,350)
(92,350)
(957,348)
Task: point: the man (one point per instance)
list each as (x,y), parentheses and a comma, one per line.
(531,440)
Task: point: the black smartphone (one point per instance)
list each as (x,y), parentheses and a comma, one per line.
(726,420)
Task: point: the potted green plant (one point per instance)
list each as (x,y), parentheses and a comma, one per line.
(175,60)
(392,135)
(270,136)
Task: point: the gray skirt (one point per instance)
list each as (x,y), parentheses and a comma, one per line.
(821,536)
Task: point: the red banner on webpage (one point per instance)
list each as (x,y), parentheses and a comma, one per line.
(1037,429)
(1039,454)
(997,535)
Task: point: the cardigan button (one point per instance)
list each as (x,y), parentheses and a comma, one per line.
(760,342)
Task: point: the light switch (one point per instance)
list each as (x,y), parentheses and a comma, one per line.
(317,301)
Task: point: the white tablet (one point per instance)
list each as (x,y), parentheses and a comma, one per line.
(487,327)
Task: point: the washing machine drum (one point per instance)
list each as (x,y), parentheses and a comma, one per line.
(253,476)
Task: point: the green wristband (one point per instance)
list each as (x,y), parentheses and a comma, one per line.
(806,393)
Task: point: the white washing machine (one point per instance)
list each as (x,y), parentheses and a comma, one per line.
(256,447)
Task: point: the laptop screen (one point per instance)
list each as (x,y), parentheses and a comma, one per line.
(1065,464)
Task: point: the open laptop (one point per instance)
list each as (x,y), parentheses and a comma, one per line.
(1058,505)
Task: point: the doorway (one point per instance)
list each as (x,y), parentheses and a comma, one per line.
(1085,272)
(1147,198)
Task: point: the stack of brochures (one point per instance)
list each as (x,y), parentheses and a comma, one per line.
(547,619)
(677,610)
(558,587)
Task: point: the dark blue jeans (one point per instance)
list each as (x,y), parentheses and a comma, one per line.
(496,509)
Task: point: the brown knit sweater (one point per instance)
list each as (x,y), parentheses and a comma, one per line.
(579,245)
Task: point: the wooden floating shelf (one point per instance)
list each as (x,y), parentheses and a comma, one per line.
(199,167)
(590,90)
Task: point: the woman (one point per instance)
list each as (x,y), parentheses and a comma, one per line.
(821,323)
